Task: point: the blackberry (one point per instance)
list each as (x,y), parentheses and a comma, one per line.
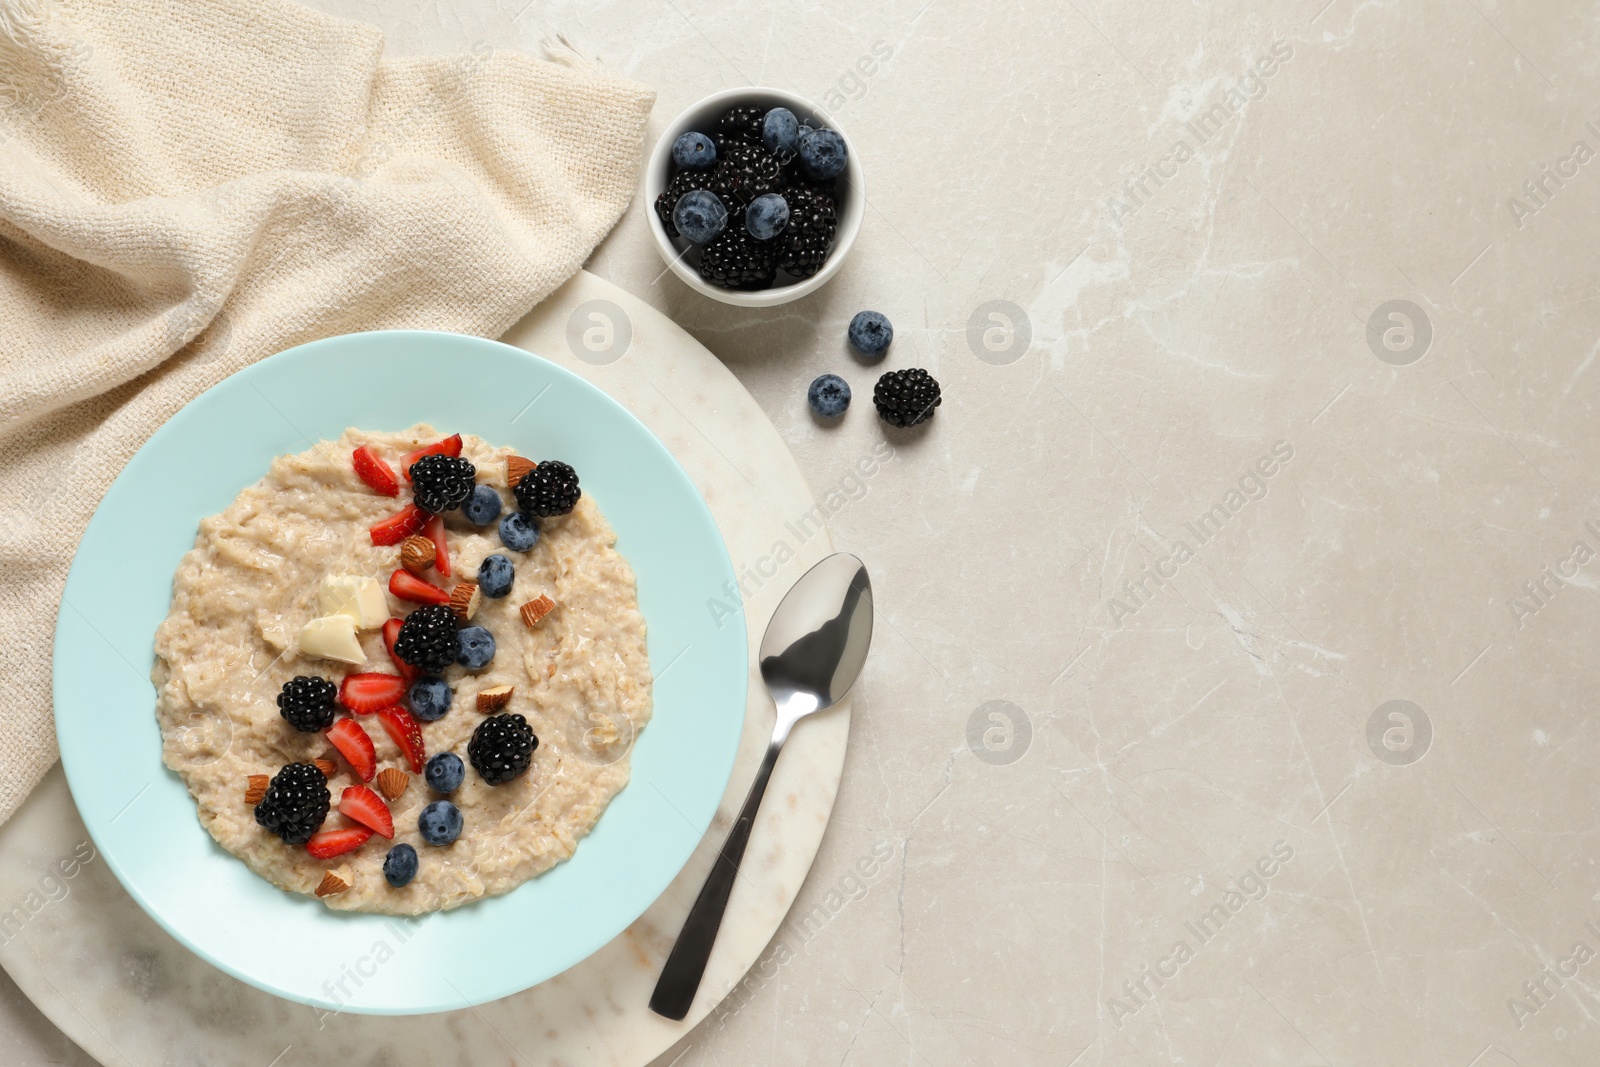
(501,748)
(906,397)
(306,703)
(736,260)
(739,125)
(744,172)
(429,638)
(295,804)
(442,483)
(805,241)
(549,489)
(793,173)
(682,182)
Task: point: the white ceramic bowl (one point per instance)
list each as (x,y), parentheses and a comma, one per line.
(850,195)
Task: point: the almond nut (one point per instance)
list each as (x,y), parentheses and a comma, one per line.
(464,600)
(392,782)
(517,468)
(417,553)
(255,788)
(495,698)
(535,610)
(326,766)
(331,884)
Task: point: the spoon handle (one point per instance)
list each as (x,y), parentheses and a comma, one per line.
(680,978)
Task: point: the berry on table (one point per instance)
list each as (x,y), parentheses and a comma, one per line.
(400,866)
(495,576)
(307,703)
(444,772)
(439,823)
(700,215)
(429,638)
(694,151)
(829,396)
(295,803)
(906,397)
(548,490)
(440,483)
(502,748)
(823,154)
(477,648)
(519,532)
(766,216)
(430,697)
(870,334)
(483,506)
(780,131)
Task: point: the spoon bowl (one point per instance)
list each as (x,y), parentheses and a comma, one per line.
(818,638)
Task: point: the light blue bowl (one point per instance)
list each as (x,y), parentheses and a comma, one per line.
(142,818)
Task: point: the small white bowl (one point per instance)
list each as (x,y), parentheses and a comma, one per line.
(850,196)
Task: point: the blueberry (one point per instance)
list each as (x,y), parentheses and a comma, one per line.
(518,532)
(444,772)
(429,697)
(700,215)
(477,648)
(483,506)
(766,216)
(495,575)
(439,823)
(694,151)
(870,334)
(823,153)
(780,131)
(829,395)
(400,866)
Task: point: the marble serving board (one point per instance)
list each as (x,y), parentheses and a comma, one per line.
(106,974)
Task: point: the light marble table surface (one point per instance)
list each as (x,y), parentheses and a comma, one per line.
(1229,704)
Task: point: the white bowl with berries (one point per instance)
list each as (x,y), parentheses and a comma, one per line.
(754,197)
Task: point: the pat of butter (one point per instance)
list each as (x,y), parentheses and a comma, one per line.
(332,637)
(360,598)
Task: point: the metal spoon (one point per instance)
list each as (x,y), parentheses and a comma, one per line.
(810,656)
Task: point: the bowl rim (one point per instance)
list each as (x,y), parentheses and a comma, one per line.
(850,215)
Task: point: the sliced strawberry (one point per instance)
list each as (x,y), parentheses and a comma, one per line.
(367,808)
(450,446)
(408,586)
(434,528)
(366,693)
(391,630)
(378,475)
(406,733)
(399,526)
(331,843)
(355,746)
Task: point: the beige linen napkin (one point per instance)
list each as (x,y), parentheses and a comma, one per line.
(187,186)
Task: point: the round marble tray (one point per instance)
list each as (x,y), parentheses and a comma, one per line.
(98,967)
